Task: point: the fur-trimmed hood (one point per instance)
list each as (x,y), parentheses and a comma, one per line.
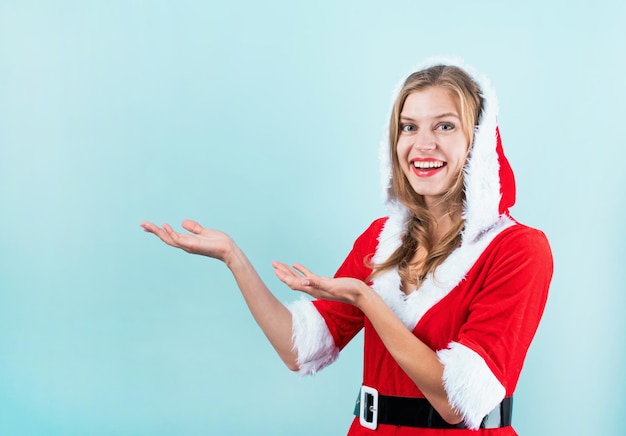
(489,192)
(489,181)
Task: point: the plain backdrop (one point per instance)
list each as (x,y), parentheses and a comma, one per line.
(263,119)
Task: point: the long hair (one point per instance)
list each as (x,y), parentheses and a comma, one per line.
(422,224)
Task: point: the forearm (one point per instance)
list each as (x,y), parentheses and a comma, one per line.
(416,359)
(269,313)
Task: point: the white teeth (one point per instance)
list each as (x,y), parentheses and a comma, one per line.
(426,165)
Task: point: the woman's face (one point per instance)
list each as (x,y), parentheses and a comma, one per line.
(432,145)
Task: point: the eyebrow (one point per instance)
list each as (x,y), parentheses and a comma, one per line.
(444,115)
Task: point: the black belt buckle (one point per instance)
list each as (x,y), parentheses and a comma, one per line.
(368,407)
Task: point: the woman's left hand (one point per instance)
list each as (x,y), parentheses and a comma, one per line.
(298,278)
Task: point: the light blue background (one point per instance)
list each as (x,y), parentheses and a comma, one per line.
(263,119)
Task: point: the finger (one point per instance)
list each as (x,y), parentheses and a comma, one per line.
(192,226)
(277,264)
(291,279)
(156,230)
(286,277)
(303,270)
(147,226)
(169,230)
(170,236)
(285,269)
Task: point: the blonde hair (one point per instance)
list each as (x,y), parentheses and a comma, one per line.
(420,232)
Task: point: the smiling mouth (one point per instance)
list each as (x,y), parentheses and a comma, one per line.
(427,165)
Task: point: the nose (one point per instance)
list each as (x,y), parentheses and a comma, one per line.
(424,140)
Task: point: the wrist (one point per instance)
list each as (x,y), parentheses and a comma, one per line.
(364,296)
(232,255)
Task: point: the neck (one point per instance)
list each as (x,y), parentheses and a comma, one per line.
(442,220)
(442,226)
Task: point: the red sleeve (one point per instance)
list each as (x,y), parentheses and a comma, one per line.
(344,320)
(505,313)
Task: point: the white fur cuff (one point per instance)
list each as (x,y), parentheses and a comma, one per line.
(311,338)
(472,388)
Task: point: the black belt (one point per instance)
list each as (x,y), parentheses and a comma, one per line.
(417,412)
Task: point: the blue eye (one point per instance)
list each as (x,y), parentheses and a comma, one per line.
(407,127)
(446,126)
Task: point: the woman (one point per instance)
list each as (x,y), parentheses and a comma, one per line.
(449,288)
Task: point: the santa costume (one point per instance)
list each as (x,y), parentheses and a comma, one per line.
(479,312)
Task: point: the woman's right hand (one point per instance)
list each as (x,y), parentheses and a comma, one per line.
(271,315)
(207,242)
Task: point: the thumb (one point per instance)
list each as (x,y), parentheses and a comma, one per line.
(192,226)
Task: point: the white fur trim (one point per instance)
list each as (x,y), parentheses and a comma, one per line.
(482,179)
(472,389)
(311,338)
(481,211)
(410,308)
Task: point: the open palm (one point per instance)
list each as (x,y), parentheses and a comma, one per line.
(207,242)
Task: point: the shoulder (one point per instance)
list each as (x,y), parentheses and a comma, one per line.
(520,247)
(516,267)
(377,225)
(357,264)
(369,237)
(522,237)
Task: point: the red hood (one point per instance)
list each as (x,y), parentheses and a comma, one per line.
(507,178)
(489,179)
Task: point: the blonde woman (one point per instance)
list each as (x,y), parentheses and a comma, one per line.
(448,288)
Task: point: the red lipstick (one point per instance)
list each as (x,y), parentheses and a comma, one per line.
(426,167)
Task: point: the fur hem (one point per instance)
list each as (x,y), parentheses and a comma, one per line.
(472,389)
(311,338)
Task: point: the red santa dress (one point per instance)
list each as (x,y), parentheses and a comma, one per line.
(480,310)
